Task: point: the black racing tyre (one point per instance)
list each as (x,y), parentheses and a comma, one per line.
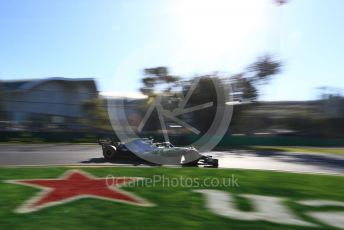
(109,152)
(211,162)
(216,163)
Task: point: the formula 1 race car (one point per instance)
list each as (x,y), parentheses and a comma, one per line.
(155,152)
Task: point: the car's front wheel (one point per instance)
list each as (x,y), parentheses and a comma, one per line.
(109,152)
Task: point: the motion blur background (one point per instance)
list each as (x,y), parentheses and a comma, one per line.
(61,61)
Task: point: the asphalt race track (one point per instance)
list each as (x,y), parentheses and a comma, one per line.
(90,154)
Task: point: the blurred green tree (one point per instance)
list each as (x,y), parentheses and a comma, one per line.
(96,115)
(155,77)
(3,114)
(257,73)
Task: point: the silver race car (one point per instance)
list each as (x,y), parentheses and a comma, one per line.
(156,152)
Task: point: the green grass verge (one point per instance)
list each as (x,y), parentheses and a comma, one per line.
(176,207)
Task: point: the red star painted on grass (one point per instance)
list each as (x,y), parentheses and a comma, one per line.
(75,185)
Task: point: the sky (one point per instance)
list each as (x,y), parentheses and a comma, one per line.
(112,41)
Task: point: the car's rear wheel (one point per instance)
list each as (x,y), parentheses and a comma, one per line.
(109,152)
